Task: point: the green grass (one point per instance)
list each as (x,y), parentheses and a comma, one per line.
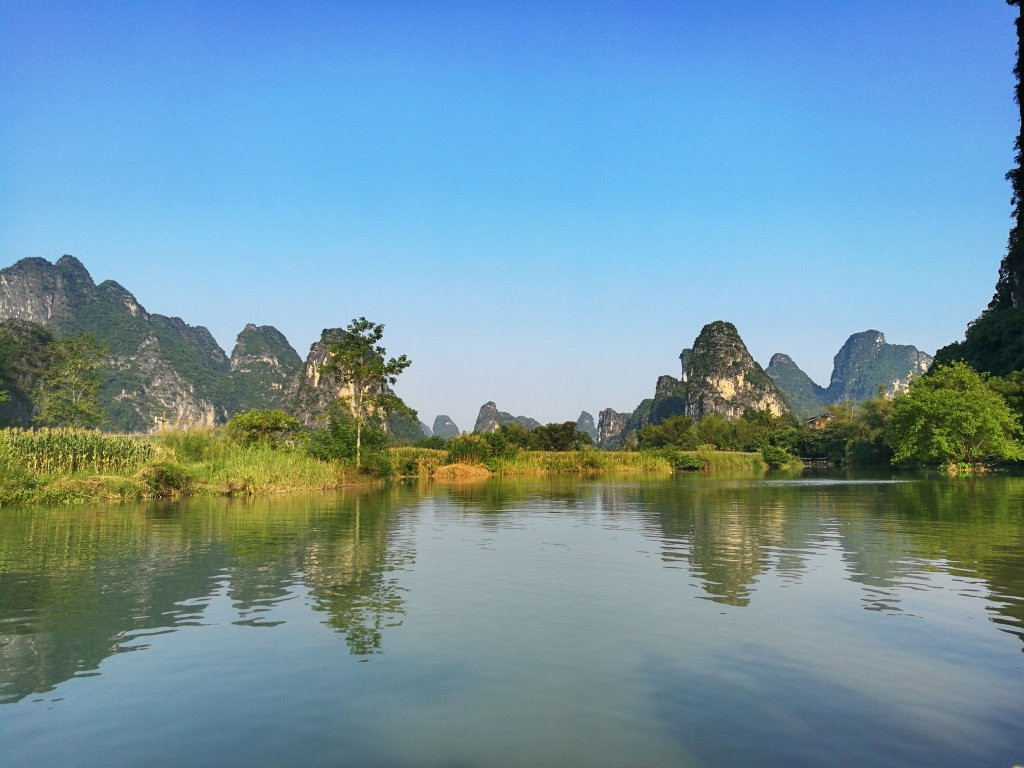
(591,461)
(75,466)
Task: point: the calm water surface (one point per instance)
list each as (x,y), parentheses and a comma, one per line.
(628,622)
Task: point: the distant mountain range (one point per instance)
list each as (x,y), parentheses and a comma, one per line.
(865,366)
(164,372)
(720,377)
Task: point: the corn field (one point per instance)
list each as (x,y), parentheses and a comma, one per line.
(45,451)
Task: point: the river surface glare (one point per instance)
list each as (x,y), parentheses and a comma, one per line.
(685,621)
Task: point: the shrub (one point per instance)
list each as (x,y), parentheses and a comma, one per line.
(264,425)
(683,461)
(775,457)
(468,449)
(168,479)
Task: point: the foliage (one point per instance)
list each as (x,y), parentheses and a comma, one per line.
(23,354)
(193,445)
(44,451)
(559,437)
(68,390)
(166,479)
(953,416)
(994,343)
(775,457)
(434,441)
(359,361)
(751,433)
(849,434)
(414,461)
(469,449)
(263,425)
(337,441)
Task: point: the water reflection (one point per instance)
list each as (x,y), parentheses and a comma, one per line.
(79,585)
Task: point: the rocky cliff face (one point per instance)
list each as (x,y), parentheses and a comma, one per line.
(312,390)
(23,355)
(718,376)
(867,363)
(722,378)
(865,366)
(585,424)
(444,427)
(262,366)
(162,371)
(611,427)
(490,418)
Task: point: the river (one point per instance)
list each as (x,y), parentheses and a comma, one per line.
(685,621)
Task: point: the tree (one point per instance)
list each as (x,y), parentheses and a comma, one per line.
(559,437)
(359,361)
(68,390)
(952,416)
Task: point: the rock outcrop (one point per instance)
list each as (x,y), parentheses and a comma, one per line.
(585,424)
(717,376)
(161,372)
(490,419)
(313,389)
(611,428)
(866,363)
(445,428)
(262,366)
(722,378)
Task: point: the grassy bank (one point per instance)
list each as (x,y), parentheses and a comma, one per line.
(74,466)
(424,462)
(71,466)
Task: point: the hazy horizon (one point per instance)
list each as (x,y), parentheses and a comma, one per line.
(543,204)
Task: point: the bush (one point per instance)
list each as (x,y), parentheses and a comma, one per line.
(682,461)
(265,426)
(469,449)
(775,457)
(190,445)
(168,479)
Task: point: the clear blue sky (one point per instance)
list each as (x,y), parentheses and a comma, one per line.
(543,202)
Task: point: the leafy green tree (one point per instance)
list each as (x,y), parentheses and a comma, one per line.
(953,416)
(264,426)
(560,437)
(68,390)
(512,437)
(359,361)
(338,439)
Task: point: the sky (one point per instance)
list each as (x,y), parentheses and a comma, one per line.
(543,202)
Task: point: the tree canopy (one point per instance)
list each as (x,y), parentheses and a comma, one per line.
(360,362)
(68,390)
(953,416)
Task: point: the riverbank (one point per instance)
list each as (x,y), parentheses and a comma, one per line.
(78,466)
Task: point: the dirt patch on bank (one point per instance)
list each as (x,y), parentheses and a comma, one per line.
(461,472)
